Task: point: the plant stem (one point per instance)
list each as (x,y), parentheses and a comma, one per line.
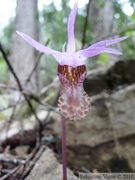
(64,162)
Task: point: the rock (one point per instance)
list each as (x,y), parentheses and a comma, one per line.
(123,72)
(107,157)
(95,81)
(22,151)
(48,168)
(111,116)
(99,80)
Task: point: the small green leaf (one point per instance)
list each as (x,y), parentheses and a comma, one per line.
(128,33)
(103,59)
(133,16)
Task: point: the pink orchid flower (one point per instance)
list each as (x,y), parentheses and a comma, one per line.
(74,102)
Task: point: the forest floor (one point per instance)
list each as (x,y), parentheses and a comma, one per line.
(20,152)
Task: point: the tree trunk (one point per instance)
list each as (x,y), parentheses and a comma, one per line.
(103,22)
(23,56)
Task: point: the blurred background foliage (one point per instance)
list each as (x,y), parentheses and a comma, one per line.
(53,28)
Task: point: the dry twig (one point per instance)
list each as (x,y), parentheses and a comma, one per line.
(20,86)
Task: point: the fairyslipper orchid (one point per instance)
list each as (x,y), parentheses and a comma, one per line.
(74,102)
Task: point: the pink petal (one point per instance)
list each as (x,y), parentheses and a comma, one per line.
(86,53)
(100,47)
(108,42)
(41,47)
(71,22)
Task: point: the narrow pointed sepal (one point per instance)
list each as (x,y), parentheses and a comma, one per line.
(100,47)
(40,47)
(71,24)
(108,42)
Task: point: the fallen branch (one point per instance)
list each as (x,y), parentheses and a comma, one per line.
(31,164)
(10,173)
(20,86)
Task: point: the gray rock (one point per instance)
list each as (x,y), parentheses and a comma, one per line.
(111,116)
(101,79)
(48,168)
